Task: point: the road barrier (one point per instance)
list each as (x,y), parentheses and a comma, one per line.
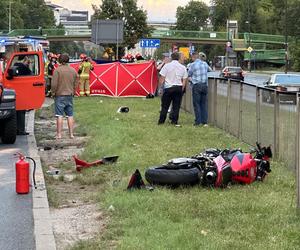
(254,113)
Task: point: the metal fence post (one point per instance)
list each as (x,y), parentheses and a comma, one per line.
(240,134)
(298,154)
(257,114)
(276,127)
(228,106)
(215,101)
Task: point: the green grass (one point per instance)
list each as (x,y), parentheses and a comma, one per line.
(258,216)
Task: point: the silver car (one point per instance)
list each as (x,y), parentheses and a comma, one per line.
(285,83)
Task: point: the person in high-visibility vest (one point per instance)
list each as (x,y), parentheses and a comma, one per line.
(84,74)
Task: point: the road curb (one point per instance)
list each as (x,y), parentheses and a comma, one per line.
(43,230)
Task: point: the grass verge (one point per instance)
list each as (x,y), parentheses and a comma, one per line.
(258,216)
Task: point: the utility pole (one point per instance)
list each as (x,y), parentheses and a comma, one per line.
(9,17)
(286,40)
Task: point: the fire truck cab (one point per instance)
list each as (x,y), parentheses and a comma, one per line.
(22,83)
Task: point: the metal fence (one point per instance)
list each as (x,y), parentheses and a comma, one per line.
(256,114)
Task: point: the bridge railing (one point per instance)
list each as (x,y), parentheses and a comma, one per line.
(186,34)
(264,38)
(252,113)
(157,33)
(47,32)
(278,54)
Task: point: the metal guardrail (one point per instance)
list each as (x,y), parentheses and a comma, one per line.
(253,113)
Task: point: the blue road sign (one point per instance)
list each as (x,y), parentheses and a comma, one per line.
(149,43)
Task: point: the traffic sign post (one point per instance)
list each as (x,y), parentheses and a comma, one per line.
(149,43)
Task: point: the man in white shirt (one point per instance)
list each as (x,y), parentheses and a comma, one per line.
(173,76)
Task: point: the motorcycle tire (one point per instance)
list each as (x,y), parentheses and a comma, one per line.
(172,177)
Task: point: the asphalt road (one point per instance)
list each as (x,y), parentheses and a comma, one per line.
(16,218)
(254,78)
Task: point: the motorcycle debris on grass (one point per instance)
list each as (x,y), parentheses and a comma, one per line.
(81,164)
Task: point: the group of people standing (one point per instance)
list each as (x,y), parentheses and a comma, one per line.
(84,69)
(174,78)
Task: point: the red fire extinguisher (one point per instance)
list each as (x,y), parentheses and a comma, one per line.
(22,174)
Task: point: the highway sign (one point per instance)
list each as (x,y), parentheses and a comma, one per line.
(250,49)
(107,31)
(149,43)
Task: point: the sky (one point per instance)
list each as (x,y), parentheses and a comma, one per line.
(157,10)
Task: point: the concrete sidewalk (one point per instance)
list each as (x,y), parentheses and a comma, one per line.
(25,221)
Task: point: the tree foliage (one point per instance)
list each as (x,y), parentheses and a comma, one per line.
(36,14)
(193,16)
(222,11)
(26,14)
(135,18)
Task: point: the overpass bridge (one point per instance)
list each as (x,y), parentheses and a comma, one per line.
(259,42)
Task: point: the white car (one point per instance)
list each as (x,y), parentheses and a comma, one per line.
(284,83)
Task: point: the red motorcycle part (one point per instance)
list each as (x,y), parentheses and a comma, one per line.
(243,168)
(224,172)
(80,164)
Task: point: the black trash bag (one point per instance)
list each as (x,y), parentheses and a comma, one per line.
(136,181)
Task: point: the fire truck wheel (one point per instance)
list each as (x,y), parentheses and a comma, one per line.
(172,177)
(9,130)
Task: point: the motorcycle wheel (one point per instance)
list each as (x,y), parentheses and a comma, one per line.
(172,176)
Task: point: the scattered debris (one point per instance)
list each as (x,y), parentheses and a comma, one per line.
(80,164)
(111,208)
(123,109)
(69,177)
(203,232)
(53,171)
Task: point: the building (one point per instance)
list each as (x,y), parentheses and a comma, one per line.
(70,19)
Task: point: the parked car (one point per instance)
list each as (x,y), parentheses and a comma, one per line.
(286,83)
(230,72)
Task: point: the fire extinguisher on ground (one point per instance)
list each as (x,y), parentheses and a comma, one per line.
(23,174)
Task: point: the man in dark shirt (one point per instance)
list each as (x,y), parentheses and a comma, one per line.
(22,68)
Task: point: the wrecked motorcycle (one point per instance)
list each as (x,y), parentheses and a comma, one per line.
(214,168)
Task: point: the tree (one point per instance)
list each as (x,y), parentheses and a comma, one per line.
(26,14)
(222,11)
(193,16)
(16,19)
(135,19)
(35,14)
(249,18)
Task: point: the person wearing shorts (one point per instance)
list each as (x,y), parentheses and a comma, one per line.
(64,83)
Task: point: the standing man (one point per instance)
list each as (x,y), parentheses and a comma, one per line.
(63,87)
(173,76)
(84,73)
(51,67)
(199,80)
